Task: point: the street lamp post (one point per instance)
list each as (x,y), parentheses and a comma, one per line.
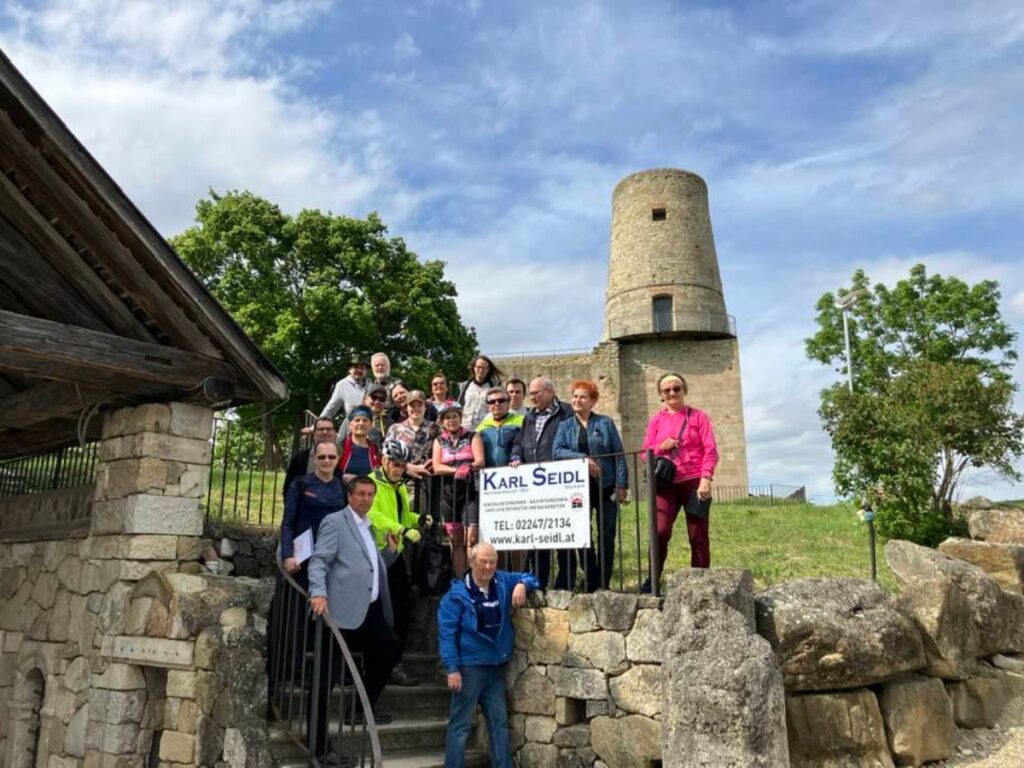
(844,304)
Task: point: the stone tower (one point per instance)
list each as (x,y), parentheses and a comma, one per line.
(664,311)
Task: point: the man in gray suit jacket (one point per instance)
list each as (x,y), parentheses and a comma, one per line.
(348,580)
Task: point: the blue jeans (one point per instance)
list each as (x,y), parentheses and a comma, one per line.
(485,685)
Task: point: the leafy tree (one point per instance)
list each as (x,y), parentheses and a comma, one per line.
(933,396)
(314,288)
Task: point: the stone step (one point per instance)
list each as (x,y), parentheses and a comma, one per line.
(423,664)
(431,698)
(431,758)
(403,733)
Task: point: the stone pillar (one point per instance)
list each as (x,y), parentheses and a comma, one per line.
(154,467)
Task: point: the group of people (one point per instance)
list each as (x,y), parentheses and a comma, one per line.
(351,491)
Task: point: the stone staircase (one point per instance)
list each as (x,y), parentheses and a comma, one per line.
(415,737)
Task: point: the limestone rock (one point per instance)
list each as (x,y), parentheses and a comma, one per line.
(837,633)
(74,735)
(723,701)
(538,756)
(569,711)
(1014,663)
(626,742)
(533,693)
(918,717)
(582,617)
(614,611)
(1004,525)
(979,701)
(638,690)
(578,683)
(539,729)
(836,729)
(643,643)
(575,736)
(602,650)
(936,589)
(1003,562)
(543,633)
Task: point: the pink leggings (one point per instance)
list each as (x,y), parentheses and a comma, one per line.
(670,501)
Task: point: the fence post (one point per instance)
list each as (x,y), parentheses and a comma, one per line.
(771,495)
(652,524)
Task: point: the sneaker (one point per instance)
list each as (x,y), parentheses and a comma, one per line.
(402,678)
(645,588)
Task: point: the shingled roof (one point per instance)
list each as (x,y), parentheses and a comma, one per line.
(96,308)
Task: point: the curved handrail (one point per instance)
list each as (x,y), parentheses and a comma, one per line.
(370,724)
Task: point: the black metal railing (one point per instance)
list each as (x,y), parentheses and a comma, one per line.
(314,682)
(72,466)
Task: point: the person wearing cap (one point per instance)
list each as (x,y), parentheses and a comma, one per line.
(416,431)
(358,455)
(391,516)
(377,403)
(457,452)
(350,391)
(399,411)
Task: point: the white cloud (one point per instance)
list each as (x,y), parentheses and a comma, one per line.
(405,47)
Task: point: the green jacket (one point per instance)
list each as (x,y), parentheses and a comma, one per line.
(384,514)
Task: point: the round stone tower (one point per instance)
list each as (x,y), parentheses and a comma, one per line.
(663,278)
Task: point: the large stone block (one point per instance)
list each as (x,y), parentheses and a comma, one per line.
(150,417)
(628,742)
(543,633)
(837,633)
(116,707)
(722,698)
(193,421)
(937,590)
(147,513)
(1003,562)
(533,693)
(115,739)
(150,444)
(918,717)
(578,683)
(614,611)
(604,650)
(117,479)
(837,729)
(538,756)
(643,643)
(979,701)
(539,729)
(1004,525)
(638,690)
(177,747)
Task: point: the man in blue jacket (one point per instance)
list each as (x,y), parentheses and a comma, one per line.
(475,629)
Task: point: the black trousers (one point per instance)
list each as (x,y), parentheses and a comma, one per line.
(381,650)
(400,587)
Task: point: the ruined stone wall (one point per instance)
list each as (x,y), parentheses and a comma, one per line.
(103,656)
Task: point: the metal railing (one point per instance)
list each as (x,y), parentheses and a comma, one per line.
(311,674)
(72,466)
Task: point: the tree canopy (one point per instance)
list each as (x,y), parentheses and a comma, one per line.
(933,397)
(315,288)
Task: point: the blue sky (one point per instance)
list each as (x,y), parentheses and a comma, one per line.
(490,135)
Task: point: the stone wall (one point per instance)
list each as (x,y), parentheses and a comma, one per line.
(108,655)
(627,374)
(584,683)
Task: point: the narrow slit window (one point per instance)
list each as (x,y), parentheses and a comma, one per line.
(657,214)
(662,313)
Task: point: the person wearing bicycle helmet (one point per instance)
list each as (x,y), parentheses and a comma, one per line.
(392,517)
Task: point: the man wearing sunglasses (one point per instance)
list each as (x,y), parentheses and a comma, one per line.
(499,429)
(377,401)
(303,461)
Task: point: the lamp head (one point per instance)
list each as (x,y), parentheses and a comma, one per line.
(847,300)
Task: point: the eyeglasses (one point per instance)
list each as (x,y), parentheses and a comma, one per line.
(538,393)
(436,384)
(379,398)
(671,390)
(325,457)
(497,400)
(324,429)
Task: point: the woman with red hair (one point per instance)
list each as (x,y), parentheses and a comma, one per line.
(683,435)
(594,437)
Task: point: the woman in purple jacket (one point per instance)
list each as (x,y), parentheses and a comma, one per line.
(683,435)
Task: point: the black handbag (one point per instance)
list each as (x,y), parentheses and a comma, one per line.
(664,467)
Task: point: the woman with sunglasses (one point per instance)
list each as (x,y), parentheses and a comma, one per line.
(685,437)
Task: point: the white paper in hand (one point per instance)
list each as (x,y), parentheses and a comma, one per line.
(303,546)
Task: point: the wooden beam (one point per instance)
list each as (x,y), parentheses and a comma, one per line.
(52,246)
(49,350)
(46,436)
(51,195)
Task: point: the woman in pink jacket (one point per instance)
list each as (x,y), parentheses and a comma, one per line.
(685,436)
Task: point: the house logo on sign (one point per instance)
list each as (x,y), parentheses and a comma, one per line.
(576,501)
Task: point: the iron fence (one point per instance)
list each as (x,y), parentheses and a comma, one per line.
(315,685)
(72,466)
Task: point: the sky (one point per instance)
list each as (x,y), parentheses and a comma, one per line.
(832,136)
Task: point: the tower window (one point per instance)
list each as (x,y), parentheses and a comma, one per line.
(657,214)
(662,314)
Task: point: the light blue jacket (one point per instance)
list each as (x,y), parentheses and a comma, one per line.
(602,438)
(462,644)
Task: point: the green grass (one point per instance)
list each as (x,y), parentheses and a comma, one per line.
(775,543)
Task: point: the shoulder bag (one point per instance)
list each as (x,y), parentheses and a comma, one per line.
(664,467)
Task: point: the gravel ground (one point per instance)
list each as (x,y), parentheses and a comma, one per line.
(998,747)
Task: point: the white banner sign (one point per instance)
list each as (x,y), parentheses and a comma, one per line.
(536,506)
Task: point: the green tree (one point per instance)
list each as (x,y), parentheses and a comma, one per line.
(314,288)
(933,396)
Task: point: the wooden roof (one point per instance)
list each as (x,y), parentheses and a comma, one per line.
(96,309)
